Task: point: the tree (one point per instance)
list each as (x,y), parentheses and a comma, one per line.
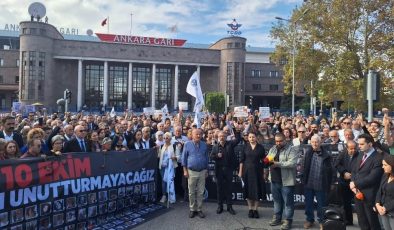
(337,42)
(215,102)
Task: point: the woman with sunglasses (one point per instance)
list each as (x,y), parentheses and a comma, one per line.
(167,152)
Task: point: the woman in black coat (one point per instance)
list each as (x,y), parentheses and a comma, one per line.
(385,196)
(251,171)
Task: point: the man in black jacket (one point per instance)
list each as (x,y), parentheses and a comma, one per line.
(79,143)
(366,174)
(8,132)
(317,180)
(344,164)
(225,164)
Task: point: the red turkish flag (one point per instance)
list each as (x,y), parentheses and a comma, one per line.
(104,22)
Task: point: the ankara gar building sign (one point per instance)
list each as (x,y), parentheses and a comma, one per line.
(234,26)
(139,40)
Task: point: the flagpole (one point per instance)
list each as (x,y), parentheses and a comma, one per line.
(131,23)
(108,26)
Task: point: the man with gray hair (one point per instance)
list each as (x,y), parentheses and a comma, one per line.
(317,179)
(78,144)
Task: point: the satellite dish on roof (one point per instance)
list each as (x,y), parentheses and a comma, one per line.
(37,10)
(89,32)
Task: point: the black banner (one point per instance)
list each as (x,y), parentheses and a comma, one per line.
(77,191)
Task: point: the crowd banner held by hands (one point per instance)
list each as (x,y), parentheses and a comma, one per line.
(264,112)
(78,191)
(148,110)
(241,111)
(183,105)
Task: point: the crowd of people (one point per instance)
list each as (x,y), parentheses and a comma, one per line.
(348,153)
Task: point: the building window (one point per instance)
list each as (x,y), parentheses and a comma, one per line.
(256,73)
(237,45)
(274,73)
(16,79)
(163,87)
(142,78)
(17,62)
(283,61)
(1,79)
(229,45)
(256,86)
(94,85)
(1,62)
(274,87)
(118,82)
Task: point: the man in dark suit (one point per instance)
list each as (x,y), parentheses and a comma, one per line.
(79,143)
(90,123)
(147,142)
(366,174)
(9,133)
(344,164)
(225,164)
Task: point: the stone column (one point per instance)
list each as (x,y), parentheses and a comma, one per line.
(105,91)
(153,92)
(80,85)
(130,87)
(176,86)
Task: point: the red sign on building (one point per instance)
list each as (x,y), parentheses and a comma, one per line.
(139,40)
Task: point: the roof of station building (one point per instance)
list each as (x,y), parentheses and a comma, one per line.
(15,34)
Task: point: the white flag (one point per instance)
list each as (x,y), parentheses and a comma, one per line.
(113,113)
(164,110)
(194,88)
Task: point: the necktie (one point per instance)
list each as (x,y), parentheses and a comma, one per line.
(82,146)
(363,160)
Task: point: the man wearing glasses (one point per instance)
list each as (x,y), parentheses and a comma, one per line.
(79,143)
(346,124)
(301,137)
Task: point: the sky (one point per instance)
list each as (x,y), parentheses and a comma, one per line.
(197,21)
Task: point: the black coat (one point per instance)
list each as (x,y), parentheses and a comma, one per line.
(229,159)
(73,146)
(326,168)
(16,137)
(344,164)
(368,176)
(385,194)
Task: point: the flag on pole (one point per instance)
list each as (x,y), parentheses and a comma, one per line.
(113,113)
(194,88)
(104,22)
(164,110)
(174,28)
(197,119)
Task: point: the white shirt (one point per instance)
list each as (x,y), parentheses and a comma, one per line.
(8,138)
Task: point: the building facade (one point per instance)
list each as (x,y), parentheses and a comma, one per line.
(132,76)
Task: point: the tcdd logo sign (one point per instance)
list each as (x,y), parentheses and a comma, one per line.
(234,26)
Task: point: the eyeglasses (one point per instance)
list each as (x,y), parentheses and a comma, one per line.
(82,130)
(300,131)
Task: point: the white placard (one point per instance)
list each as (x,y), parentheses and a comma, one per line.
(148,110)
(183,105)
(30,108)
(17,107)
(264,112)
(241,111)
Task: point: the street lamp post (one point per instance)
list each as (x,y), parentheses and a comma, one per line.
(293,57)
